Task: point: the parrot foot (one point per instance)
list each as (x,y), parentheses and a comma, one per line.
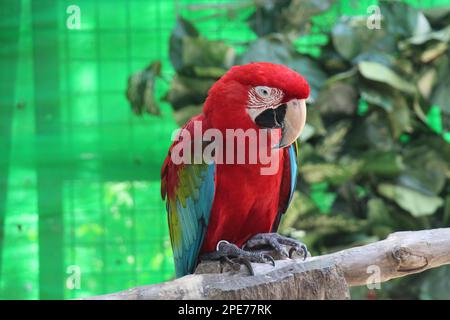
(277,242)
(235,256)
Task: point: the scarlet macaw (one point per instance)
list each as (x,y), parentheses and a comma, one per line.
(223,210)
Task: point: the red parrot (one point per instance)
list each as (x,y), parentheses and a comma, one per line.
(222,208)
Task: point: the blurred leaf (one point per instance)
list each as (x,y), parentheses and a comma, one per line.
(400,117)
(446,220)
(273,49)
(384,163)
(403,20)
(184,114)
(311,70)
(433,52)
(437,284)
(140,90)
(332,143)
(442,35)
(378,72)
(187,91)
(338,97)
(371,132)
(377,97)
(438,16)
(268,17)
(299,12)
(351,37)
(334,173)
(426,82)
(308,132)
(207,58)
(315,120)
(441,95)
(300,205)
(416,203)
(425,170)
(379,217)
(183,29)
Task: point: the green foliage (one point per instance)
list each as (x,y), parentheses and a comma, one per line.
(374,156)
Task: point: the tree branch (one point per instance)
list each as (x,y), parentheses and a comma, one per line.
(321,277)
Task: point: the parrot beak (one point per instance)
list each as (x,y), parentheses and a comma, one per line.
(290,117)
(294,122)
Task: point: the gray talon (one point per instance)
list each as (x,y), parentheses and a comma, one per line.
(234,256)
(302,248)
(277,242)
(270,259)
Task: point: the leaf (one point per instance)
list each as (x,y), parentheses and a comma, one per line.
(378,72)
(183,29)
(403,20)
(382,163)
(416,203)
(330,172)
(311,70)
(140,90)
(379,217)
(332,143)
(187,91)
(268,17)
(441,96)
(438,16)
(436,285)
(377,97)
(184,114)
(299,12)
(351,37)
(433,52)
(425,170)
(372,132)
(426,82)
(273,49)
(338,98)
(206,57)
(442,35)
(400,117)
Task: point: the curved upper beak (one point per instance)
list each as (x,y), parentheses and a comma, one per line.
(294,122)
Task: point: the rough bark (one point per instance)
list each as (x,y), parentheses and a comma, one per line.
(321,277)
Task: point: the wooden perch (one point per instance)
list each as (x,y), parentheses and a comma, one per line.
(321,277)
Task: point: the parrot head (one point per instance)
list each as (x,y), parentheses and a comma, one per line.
(260,95)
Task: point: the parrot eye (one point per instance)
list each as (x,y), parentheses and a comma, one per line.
(263,92)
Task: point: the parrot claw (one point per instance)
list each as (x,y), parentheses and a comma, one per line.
(269,259)
(235,256)
(277,242)
(303,251)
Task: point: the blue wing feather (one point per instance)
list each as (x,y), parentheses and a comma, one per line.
(189,214)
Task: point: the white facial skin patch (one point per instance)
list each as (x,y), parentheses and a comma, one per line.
(264,97)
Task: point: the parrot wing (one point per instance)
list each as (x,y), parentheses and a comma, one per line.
(189,189)
(288,182)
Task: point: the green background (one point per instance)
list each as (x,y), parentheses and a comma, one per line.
(79,173)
